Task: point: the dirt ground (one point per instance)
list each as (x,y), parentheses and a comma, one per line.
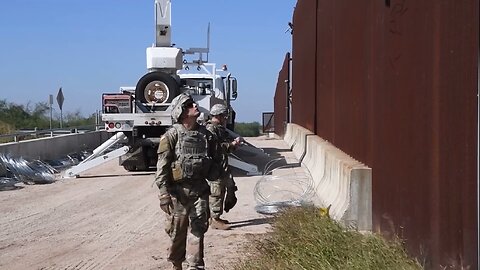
(110,219)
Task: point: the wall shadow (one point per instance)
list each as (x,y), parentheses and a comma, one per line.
(251,222)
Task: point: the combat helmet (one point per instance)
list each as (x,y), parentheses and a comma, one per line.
(178,105)
(218,109)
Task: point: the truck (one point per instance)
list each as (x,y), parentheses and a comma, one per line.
(138,116)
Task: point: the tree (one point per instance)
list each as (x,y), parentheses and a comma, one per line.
(24,117)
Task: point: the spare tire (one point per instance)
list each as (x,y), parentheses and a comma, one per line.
(156,87)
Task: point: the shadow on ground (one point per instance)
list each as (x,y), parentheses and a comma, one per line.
(250,222)
(132,174)
(266,159)
(9,187)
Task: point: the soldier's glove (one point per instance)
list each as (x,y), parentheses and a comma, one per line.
(230,199)
(166,203)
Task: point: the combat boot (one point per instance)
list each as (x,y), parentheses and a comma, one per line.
(223,220)
(177,266)
(216,223)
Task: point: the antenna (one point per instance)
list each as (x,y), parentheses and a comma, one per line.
(208,40)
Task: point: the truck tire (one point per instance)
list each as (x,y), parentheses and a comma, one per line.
(135,160)
(130,167)
(156,87)
(135,167)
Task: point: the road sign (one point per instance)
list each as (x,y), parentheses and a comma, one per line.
(60,98)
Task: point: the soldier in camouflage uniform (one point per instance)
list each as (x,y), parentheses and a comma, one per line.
(184,159)
(222,189)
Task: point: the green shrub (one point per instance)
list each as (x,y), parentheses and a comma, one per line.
(304,239)
(248,129)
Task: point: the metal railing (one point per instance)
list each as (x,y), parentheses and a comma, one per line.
(29,134)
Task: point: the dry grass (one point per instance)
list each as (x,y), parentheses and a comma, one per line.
(303,238)
(5,129)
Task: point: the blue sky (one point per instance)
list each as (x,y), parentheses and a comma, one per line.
(89,47)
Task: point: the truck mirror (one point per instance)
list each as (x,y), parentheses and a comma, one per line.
(234,88)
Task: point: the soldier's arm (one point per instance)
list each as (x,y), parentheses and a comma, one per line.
(230,147)
(233,144)
(222,138)
(214,142)
(166,150)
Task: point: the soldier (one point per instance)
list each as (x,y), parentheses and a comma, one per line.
(184,163)
(225,183)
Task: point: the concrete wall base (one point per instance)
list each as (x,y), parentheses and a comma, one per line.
(341,182)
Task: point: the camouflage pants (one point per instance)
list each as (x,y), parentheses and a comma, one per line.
(217,193)
(188,213)
(217,196)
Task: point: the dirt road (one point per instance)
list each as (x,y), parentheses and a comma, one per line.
(109,219)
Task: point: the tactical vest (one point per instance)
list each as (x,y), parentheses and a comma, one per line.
(192,158)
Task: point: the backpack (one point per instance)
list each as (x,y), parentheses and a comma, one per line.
(192,157)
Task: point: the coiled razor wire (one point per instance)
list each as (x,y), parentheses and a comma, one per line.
(28,172)
(274,193)
(68,160)
(15,170)
(7,183)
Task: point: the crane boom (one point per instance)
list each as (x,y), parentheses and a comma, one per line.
(163,23)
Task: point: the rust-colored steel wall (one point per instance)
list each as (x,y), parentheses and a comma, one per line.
(280,99)
(403,118)
(343,94)
(304,66)
(394,84)
(424,127)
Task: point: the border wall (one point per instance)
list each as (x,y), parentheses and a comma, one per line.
(394,84)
